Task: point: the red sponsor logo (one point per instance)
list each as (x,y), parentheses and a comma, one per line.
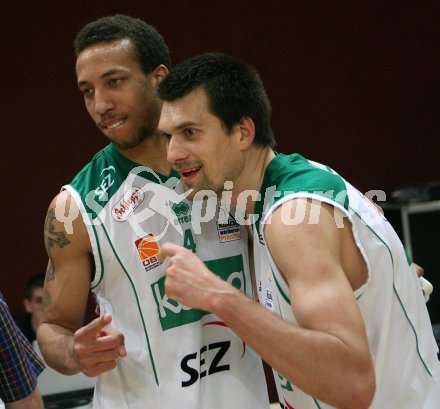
(125,207)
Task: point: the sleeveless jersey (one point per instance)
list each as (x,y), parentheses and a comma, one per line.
(391,301)
(176,356)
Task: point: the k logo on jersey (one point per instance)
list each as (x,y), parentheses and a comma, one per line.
(174,314)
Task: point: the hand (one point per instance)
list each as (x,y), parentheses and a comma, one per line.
(419,270)
(188,280)
(427,287)
(96,346)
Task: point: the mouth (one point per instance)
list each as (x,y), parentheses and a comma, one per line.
(112,123)
(190,173)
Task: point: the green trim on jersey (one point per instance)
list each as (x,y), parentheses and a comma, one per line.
(287,174)
(100,179)
(100,258)
(396,292)
(283,294)
(137,303)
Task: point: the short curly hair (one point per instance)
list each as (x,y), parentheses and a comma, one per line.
(150,47)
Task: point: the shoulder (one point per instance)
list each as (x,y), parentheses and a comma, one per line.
(64,223)
(294,173)
(90,176)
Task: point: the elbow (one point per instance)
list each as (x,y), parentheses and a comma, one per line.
(354,390)
(361,393)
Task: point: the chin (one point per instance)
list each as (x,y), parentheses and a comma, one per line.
(127,144)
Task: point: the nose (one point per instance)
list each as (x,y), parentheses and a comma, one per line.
(176,151)
(103,102)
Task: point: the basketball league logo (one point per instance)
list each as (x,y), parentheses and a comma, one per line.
(148,248)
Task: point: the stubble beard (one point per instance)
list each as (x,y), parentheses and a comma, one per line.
(146,131)
(207,184)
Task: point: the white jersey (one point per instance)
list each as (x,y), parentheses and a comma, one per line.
(176,356)
(391,301)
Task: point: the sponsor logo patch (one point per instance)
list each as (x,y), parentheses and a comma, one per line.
(181,211)
(228,230)
(148,248)
(125,207)
(269,299)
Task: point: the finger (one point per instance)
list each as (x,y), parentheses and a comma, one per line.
(89,354)
(97,357)
(122,351)
(114,340)
(120,340)
(107,342)
(167,250)
(419,270)
(92,330)
(99,368)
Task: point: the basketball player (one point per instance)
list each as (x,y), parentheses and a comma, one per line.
(343,321)
(103,231)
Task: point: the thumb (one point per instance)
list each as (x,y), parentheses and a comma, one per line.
(167,250)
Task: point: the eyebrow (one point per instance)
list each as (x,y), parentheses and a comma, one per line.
(108,73)
(186,124)
(181,126)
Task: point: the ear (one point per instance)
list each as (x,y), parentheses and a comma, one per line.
(27,305)
(159,73)
(247,132)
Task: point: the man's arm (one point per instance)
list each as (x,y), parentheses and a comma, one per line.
(322,266)
(65,345)
(328,355)
(32,401)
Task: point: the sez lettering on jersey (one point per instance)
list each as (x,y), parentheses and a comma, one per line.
(172,314)
(208,361)
(106,182)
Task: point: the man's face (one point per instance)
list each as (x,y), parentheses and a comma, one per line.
(199,147)
(119,97)
(34,305)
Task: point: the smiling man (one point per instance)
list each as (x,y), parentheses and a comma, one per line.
(103,231)
(343,321)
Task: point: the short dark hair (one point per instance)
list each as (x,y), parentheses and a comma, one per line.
(234,89)
(36,281)
(149,45)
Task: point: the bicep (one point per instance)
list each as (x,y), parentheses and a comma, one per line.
(69,268)
(308,256)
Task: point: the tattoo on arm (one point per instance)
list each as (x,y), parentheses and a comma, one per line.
(53,236)
(50,272)
(46,298)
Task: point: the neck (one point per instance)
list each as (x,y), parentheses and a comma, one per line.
(251,177)
(150,153)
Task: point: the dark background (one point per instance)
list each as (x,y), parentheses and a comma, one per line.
(353,84)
